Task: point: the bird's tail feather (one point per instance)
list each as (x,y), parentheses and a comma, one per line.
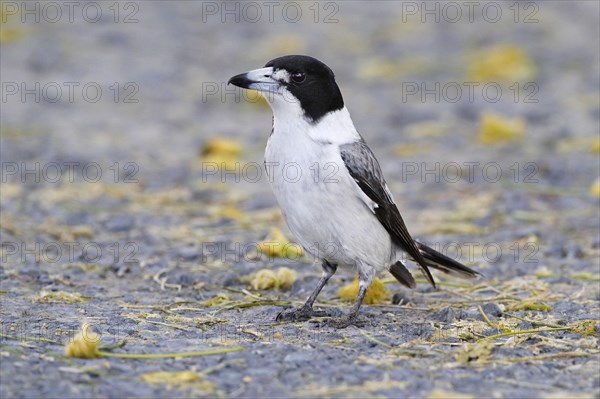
(444,263)
(401,273)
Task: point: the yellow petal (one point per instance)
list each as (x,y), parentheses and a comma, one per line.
(84,345)
(497,129)
(277,245)
(376,293)
(506,63)
(286,278)
(265,279)
(595,189)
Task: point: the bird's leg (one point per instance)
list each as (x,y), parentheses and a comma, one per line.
(306,311)
(365,280)
(328,271)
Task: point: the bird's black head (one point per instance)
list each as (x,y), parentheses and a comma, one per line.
(295,79)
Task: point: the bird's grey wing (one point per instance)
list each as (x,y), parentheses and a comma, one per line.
(366,172)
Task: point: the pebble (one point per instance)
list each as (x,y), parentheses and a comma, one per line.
(400,298)
(189,252)
(491,309)
(119,223)
(446,315)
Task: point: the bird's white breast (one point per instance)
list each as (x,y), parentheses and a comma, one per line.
(322,204)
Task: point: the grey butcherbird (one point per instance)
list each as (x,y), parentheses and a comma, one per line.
(329,184)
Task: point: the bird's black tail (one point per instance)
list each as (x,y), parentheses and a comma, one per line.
(430,258)
(444,263)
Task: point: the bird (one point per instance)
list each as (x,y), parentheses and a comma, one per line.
(330,187)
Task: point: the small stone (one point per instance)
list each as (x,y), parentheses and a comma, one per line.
(524,325)
(189,252)
(491,309)
(122,270)
(490,331)
(298,357)
(468,315)
(207,196)
(119,223)
(446,315)
(400,299)
(44,278)
(185,280)
(227,279)
(32,273)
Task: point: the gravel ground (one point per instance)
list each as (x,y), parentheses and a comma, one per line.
(112,215)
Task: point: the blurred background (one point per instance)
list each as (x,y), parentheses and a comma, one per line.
(117,127)
(412,74)
(455,98)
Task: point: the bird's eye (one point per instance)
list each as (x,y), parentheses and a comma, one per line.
(298,77)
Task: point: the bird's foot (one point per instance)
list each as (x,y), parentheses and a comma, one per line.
(344,321)
(302,314)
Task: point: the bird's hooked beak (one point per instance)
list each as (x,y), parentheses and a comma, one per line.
(258,79)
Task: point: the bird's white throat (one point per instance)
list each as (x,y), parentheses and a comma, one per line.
(335,127)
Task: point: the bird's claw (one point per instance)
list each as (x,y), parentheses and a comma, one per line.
(304,313)
(300,314)
(342,321)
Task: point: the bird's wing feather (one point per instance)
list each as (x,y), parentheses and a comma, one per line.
(366,172)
